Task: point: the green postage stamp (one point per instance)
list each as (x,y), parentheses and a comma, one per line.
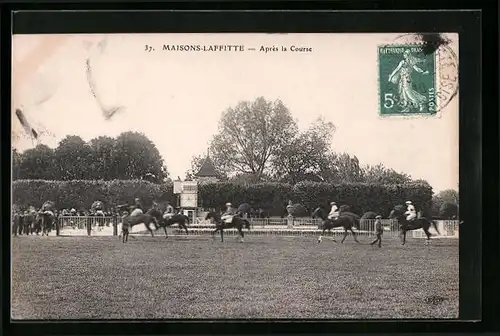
(407,81)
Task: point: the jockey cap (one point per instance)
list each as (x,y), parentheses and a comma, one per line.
(333,203)
(228,204)
(378,217)
(408,202)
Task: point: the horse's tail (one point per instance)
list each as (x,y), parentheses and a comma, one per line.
(433,222)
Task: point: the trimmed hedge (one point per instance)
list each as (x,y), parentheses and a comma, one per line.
(272,197)
(81,194)
(267,196)
(360,197)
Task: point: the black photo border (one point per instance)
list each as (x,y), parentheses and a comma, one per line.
(477,151)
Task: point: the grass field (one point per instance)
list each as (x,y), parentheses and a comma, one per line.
(264,277)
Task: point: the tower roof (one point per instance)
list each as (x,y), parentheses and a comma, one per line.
(207,169)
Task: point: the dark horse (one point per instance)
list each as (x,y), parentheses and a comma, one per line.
(237,223)
(151,216)
(175,219)
(418,223)
(47,220)
(345,220)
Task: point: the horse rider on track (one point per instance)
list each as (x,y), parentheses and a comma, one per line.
(138,208)
(334,211)
(410,213)
(229,214)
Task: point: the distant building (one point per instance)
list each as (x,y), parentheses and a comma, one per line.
(207,172)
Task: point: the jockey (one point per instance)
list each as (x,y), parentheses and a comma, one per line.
(97,206)
(334,212)
(169,212)
(138,209)
(47,208)
(229,214)
(410,213)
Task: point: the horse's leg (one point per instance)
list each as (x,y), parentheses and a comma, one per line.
(166,233)
(321,235)
(428,234)
(222,235)
(345,236)
(186,229)
(404,237)
(149,229)
(354,236)
(214,232)
(333,235)
(240,230)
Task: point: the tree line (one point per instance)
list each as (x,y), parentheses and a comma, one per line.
(131,155)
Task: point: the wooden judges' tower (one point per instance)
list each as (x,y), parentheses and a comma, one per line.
(207,172)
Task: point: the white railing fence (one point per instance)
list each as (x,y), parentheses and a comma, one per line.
(279,226)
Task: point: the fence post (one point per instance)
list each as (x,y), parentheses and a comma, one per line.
(89,226)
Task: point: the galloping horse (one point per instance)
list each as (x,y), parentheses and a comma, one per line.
(151,216)
(418,223)
(175,219)
(346,220)
(237,223)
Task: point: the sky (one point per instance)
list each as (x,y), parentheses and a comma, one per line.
(337,80)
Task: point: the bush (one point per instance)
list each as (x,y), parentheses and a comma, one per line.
(82,193)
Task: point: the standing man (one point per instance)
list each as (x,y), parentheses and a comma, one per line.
(379,230)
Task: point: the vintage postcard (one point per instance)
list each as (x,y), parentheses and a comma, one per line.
(225,176)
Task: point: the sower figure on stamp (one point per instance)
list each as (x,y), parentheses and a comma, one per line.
(408,96)
(227,216)
(378,230)
(334,211)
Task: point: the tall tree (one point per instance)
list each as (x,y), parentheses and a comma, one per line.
(74,159)
(251,135)
(344,168)
(306,155)
(38,163)
(382,175)
(137,158)
(103,162)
